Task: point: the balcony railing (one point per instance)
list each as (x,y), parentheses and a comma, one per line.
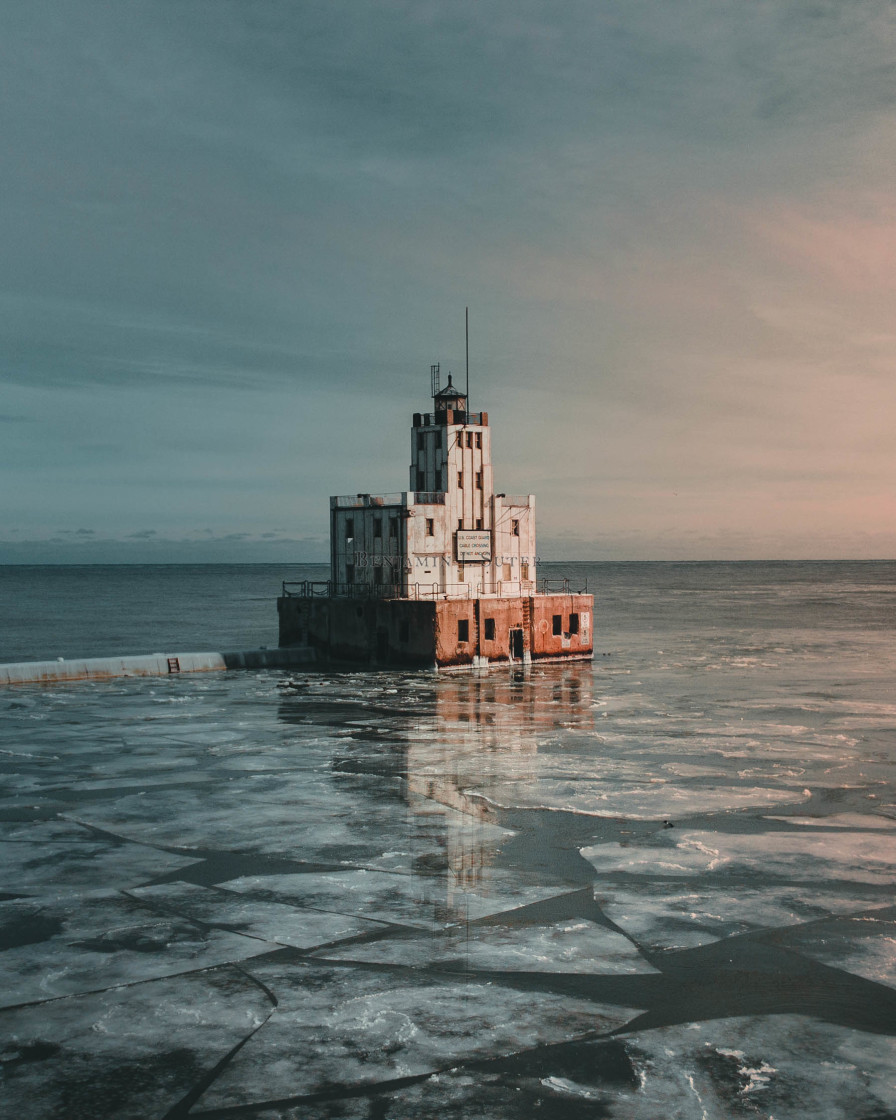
(363,501)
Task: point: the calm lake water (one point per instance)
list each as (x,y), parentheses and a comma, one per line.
(658,885)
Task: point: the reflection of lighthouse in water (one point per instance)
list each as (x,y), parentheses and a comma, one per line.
(481,757)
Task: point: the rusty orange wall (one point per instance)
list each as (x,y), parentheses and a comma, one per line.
(544,642)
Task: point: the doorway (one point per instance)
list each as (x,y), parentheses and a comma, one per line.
(516,645)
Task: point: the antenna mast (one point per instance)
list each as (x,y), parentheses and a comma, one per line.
(467,341)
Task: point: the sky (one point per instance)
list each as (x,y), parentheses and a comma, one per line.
(237,233)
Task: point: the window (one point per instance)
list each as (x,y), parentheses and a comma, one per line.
(421,441)
(439,484)
(514,528)
(378,528)
(439,440)
(573,624)
(469,439)
(349,573)
(463,629)
(393,526)
(479,439)
(430,527)
(479,480)
(478,522)
(558,624)
(489,629)
(460,523)
(524,570)
(421,480)
(350,527)
(460,480)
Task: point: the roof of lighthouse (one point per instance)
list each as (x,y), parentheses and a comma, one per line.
(449,393)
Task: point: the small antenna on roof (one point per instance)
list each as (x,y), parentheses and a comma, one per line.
(467,342)
(434,378)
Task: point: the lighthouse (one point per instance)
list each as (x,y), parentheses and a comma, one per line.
(442,574)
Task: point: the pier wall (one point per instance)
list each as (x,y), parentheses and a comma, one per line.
(148,665)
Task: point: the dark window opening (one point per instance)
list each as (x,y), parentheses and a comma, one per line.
(421,441)
(489,629)
(573,624)
(515,528)
(469,439)
(460,523)
(378,527)
(460,480)
(430,527)
(439,440)
(349,527)
(393,526)
(421,480)
(463,629)
(478,522)
(479,439)
(558,624)
(479,480)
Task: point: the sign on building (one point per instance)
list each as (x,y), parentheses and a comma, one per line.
(473,545)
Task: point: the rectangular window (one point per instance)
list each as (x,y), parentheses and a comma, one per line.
(463,629)
(524,571)
(460,480)
(479,439)
(573,624)
(489,629)
(430,527)
(439,440)
(349,573)
(439,484)
(514,528)
(478,522)
(460,523)
(378,528)
(393,526)
(421,480)
(350,528)
(421,441)
(479,480)
(558,624)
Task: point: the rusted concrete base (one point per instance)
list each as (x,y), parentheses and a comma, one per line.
(442,633)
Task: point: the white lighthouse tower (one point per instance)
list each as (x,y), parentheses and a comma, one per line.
(443,573)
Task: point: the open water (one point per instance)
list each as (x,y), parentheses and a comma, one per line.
(656,886)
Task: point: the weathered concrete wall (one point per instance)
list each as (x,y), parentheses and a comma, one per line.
(443,632)
(148,665)
(547,644)
(369,631)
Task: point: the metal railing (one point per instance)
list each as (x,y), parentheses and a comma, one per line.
(429,498)
(363,501)
(324,589)
(561,587)
(431,419)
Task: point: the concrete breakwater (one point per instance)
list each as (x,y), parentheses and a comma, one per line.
(149,665)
